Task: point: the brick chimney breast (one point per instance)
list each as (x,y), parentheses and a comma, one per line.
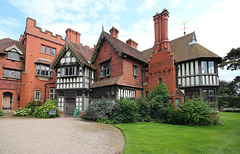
(132,43)
(73,36)
(114,32)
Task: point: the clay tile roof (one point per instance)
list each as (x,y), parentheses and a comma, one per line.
(108,82)
(83,53)
(7,42)
(183,51)
(125,48)
(43,61)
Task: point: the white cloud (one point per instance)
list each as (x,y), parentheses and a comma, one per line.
(174,3)
(146,5)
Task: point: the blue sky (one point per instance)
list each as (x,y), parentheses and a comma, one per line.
(216,22)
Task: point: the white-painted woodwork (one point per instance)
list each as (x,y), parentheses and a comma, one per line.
(196,67)
(203,80)
(187,68)
(207,80)
(179,70)
(192,69)
(192,81)
(188,81)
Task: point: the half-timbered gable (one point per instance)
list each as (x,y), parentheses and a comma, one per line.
(74,76)
(197,73)
(119,67)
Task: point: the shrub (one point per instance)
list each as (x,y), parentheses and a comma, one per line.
(32,105)
(103,119)
(195,111)
(103,107)
(144,110)
(22,112)
(1,113)
(125,111)
(158,100)
(43,111)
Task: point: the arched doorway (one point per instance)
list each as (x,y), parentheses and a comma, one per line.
(7,100)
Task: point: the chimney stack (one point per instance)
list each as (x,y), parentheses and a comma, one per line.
(132,43)
(73,36)
(161,31)
(114,32)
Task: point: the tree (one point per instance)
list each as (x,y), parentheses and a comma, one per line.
(230,89)
(232,60)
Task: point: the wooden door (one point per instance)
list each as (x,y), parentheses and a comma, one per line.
(70,106)
(7,102)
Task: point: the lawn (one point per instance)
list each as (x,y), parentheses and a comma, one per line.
(166,138)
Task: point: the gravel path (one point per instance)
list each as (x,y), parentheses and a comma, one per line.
(60,135)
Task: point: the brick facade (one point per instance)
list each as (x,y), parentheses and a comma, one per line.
(33,38)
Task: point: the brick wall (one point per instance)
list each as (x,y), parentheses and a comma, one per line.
(35,37)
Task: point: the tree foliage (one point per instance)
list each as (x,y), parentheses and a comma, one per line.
(232,60)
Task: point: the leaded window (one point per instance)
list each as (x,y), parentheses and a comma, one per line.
(134,70)
(37,95)
(52,94)
(48,50)
(43,70)
(69,71)
(105,69)
(43,48)
(12,74)
(13,56)
(53,51)
(207,67)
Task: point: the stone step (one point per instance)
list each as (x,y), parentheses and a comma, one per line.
(7,112)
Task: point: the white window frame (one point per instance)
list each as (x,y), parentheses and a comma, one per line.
(35,95)
(52,93)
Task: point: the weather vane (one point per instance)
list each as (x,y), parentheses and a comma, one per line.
(184,27)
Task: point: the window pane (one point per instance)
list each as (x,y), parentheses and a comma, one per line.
(43,48)
(6,73)
(18,74)
(48,50)
(211,67)
(204,67)
(53,51)
(13,55)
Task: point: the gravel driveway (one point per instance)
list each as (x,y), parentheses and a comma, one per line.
(60,135)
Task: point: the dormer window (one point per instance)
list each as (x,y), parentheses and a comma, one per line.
(13,56)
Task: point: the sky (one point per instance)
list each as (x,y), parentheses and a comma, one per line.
(215,22)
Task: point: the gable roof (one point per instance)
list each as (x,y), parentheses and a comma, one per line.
(184,51)
(7,43)
(112,81)
(82,53)
(119,46)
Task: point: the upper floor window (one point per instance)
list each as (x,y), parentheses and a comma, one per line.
(207,67)
(43,70)
(53,51)
(37,95)
(13,56)
(105,69)
(134,70)
(43,48)
(12,74)
(48,50)
(68,71)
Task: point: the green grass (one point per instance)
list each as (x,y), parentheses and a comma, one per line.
(166,138)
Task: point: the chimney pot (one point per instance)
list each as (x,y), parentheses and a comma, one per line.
(114,32)
(73,36)
(132,43)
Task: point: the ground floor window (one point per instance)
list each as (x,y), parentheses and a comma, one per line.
(37,95)
(61,103)
(52,94)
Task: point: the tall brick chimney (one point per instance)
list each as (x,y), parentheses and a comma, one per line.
(161,31)
(114,32)
(73,36)
(132,43)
